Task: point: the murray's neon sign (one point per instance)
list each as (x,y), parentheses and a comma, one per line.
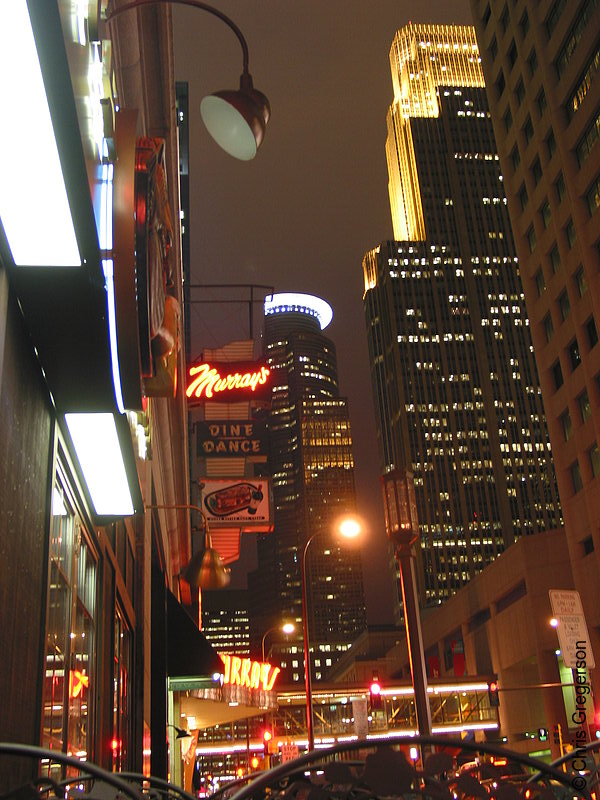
(227,382)
(249,673)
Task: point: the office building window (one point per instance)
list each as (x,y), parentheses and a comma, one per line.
(571,233)
(494,49)
(548,327)
(557,375)
(575,34)
(528,130)
(564,305)
(550,144)
(585,408)
(523,196)
(70,674)
(504,19)
(500,83)
(515,157)
(531,239)
(576,477)
(567,425)
(581,281)
(520,92)
(587,545)
(555,12)
(559,185)
(541,102)
(554,257)
(588,140)
(546,215)
(536,171)
(594,455)
(540,283)
(512,54)
(583,87)
(524,24)
(507,120)
(574,354)
(532,62)
(592,332)
(593,196)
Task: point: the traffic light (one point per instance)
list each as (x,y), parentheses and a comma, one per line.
(543,734)
(267,736)
(375,692)
(557,734)
(493,694)
(255,762)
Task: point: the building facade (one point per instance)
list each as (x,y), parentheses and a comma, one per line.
(93,447)
(541,67)
(311,466)
(457,395)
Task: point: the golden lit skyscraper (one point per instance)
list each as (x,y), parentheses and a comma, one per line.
(456,389)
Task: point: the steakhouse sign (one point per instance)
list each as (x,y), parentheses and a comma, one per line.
(228,382)
(248,673)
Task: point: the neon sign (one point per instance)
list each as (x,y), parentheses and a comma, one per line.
(252,674)
(228,382)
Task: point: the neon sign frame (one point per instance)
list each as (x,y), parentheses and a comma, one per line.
(228,382)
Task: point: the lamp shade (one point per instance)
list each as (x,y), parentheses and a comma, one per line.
(206,569)
(237,119)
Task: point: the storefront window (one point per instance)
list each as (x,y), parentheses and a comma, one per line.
(121,691)
(68,708)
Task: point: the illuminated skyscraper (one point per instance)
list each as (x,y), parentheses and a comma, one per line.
(312,472)
(456,389)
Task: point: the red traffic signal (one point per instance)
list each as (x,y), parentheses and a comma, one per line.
(267,736)
(375,693)
(493,694)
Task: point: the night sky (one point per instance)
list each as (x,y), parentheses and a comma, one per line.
(301,215)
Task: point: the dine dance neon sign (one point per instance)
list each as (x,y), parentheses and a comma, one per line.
(252,674)
(205,381)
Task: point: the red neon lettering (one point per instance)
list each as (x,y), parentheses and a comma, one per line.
(207,381)
(255,675)
(274,674)
(245,674)
(227,662)
(236,663)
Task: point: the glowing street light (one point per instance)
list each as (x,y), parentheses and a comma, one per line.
(349,528)
(286,627)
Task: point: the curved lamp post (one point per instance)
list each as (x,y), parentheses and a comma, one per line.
(206,568)
(286,627)
(349,528)
(235,118)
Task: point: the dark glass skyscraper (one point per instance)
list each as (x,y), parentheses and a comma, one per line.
(312,472)
(456,389)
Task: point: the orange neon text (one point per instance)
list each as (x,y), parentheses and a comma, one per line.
(208,381)
(245,672)
(78,681)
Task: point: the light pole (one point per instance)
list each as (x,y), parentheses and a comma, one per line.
(403,530)
(286,627)
(348,528)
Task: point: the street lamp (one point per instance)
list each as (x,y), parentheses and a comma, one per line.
(236,119)
(205,569)
(286,627)
(349,528)
(402,527)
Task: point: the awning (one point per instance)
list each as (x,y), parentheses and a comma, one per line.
(188,651)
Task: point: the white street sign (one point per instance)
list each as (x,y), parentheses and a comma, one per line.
(572,631)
